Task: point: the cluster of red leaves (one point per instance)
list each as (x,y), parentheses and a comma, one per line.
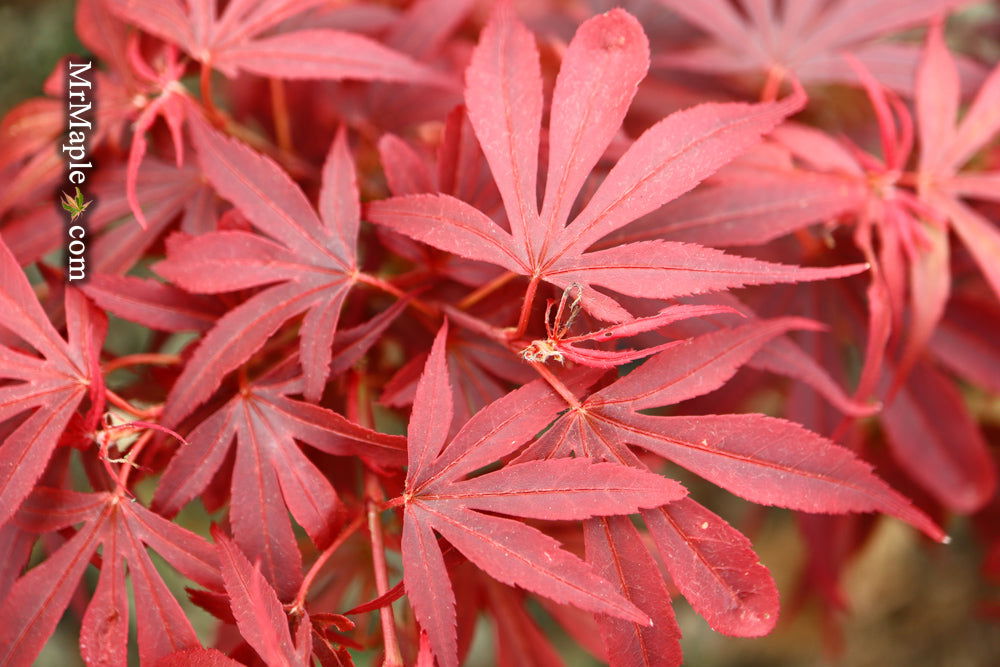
(478,309)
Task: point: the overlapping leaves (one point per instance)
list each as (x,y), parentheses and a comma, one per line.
(602,67)
(311,259)
(51,382)
(439,499)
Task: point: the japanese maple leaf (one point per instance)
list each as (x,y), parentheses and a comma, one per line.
(166,192)
(51,382)
(822,179)
(804,37)
(780,355)
(762,459)
(604,63)
(271,474)
(439,499)
(231,42)
(310,264)
(123,529)
(927,433)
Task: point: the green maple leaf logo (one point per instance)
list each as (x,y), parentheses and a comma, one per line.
(75,205)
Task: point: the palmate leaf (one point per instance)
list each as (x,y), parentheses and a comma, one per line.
(312,260)
(232,41)
(439,500)
(790,466)
(601,69)
(51,386)
(38,599)
(805,37)
(272,475)
(765,460)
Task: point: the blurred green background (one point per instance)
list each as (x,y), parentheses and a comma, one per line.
(34,34)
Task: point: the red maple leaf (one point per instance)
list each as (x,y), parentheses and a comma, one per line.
(51,382)
(310,264)
(947,144)
(271,475)
(439,498)
(258,612)
(805,38)
(232,41)
(602,66)
(124,529)
(762,459)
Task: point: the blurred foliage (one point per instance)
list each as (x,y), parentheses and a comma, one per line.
(908,605)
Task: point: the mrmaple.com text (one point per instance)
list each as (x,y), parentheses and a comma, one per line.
(80,125)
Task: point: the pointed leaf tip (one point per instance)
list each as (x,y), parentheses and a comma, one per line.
(432,410)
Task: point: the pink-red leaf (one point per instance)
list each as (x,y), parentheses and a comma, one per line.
(564,489)
(601,69)
(449,224)
(256,608)
(694,367)
(937,100)
(665,270)
(668,160)
(152,304)
(36,602)
(517,554)
(326,54)
(715,568)
(428,588)
(737,213)
(437,499)
(104,631)
(54,386)
(161,624)
(503,93)
(937,442)
(432,407)
(316,263)
(788,465)
(616,551)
